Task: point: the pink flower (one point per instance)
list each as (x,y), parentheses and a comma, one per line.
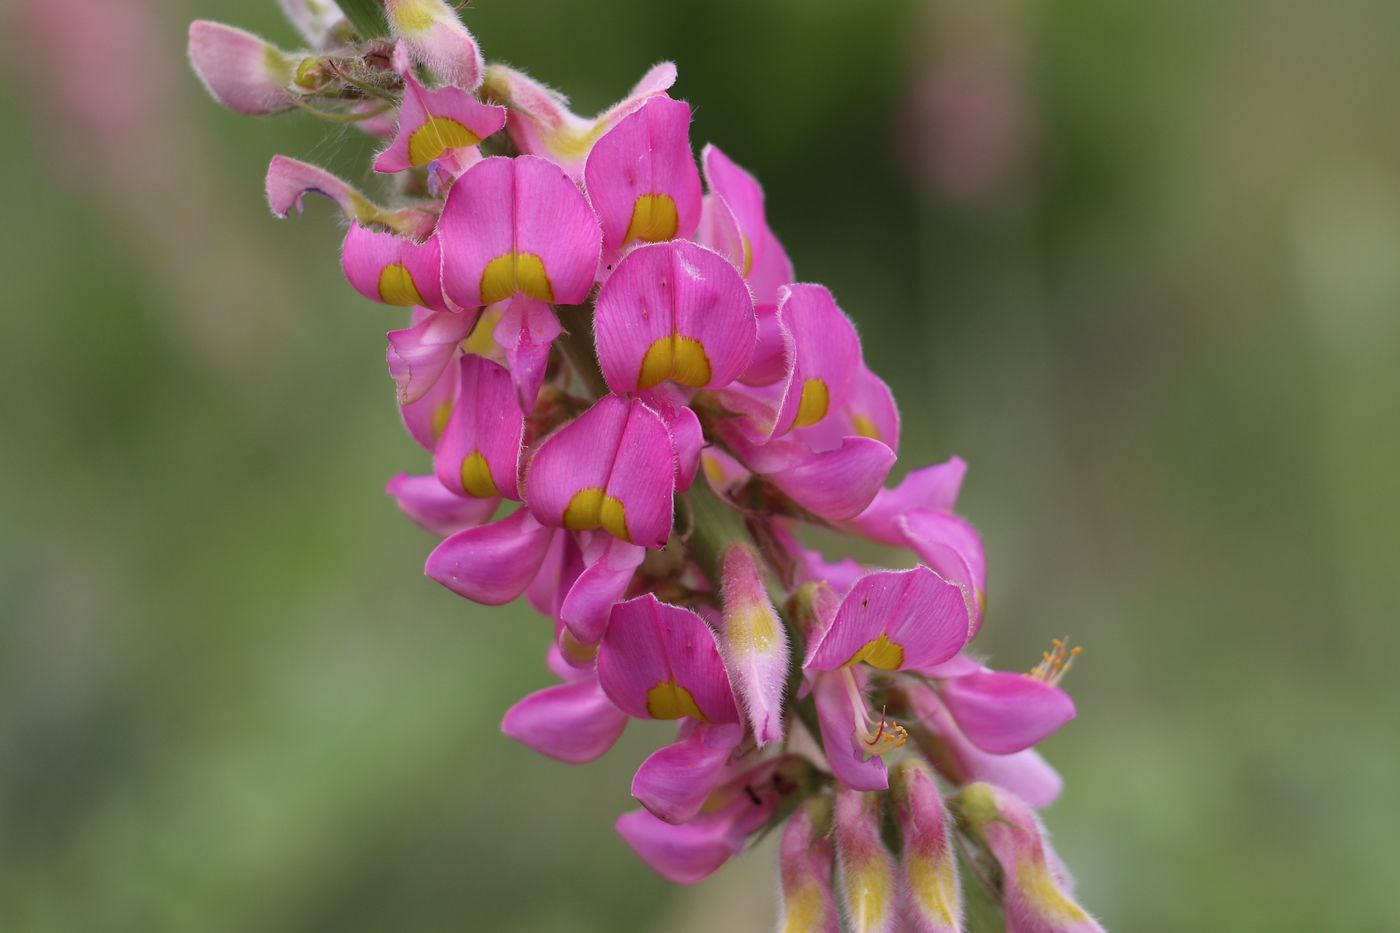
(587,332)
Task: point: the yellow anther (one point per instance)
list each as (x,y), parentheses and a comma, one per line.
(1055,663)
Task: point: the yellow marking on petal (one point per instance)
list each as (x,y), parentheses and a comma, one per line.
(613,518)
(805,909)
(881,653)
(1044,895)
(868,894)
(570,143)
(680,359)
(396,286)
(515,272)
(713,470)
(572,648)
(865,427)
(436,136)
(413,16)
(440,416)
(277,65)
(590,508)
(476,477)
(654,218)
(669,700)
(752,629)
(934,884)
(748,254)
(816,399)
(482,339)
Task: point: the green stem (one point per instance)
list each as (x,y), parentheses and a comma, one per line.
(367,16)
(577,344)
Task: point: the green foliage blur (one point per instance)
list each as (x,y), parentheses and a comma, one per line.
(1138,263)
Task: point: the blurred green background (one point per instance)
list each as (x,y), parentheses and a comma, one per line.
(1139,263)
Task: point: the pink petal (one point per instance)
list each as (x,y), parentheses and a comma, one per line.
(687,437)
(1025,773)
(674,311)
(241,71)
(825,355)
(684,854)
(391,269)
(837,484)
(895,620)
(675,780)
(435,37)
(479,451)
(418,355)
(952,547)
(492,564)
(611,468)
(760,256)
(426,417)
(1004,713)
(541,123)
(603,582)
(562,566)
(844,750)
(289,181)
(526,331)
(434,124)
(869,411)
(659,661)
(933,488)
(517,226)
(571,722)
(770,362)
(641,176)
(423,500)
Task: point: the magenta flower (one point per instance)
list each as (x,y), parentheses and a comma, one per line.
(632,416)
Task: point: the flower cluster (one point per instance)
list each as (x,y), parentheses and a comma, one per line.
(608,348)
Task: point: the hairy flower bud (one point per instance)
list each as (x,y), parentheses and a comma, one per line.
(804,865)
(927,865)
(754,644)
(1035,891)
(241,71)
(866,867)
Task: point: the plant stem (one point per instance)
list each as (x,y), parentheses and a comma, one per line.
(367,16)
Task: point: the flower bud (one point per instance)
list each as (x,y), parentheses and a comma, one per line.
(1035,892)
(436,37)
(928,867)
(866,867)
(804,868)
(241,71)
(754,644)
